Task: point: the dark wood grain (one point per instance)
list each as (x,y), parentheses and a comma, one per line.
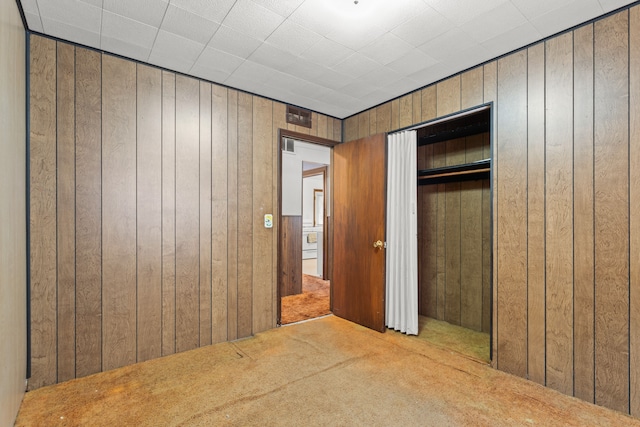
(452,299)
(88,212)
(511,214)
(487,257)
(536,301)
(149,212)
(205,215)
(559,212)
(583,243)
(219,213)
(611,178)
(471,266)
(66,250)
(291,250)
(359,269)
(168,213)
(42,184)
(245,214)
(118,212)
(187,213)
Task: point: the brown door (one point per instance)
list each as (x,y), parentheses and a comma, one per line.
(359,204)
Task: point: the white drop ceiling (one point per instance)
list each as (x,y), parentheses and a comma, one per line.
(331,56)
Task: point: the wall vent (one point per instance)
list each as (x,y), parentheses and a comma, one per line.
(298,116)
(288,145)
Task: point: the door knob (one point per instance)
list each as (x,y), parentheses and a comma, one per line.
(377,244)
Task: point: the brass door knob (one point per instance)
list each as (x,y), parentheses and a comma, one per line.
(378,244)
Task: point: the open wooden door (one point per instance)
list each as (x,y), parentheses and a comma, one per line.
(359,206)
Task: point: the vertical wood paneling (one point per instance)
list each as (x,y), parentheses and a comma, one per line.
(149,211)
(278,123)
(219,215)
(88,214)
(634,210)
(395,114)
(535,218)
(323,126)
(583,249)
(417,107)
(373,121)
(168,213)
(205,214)
(491,95)
(66,211)
(471,254)
(351,128)
(363,124)
(245,214)
(452,282)
(471,87)
(439,160)
(559,212)
(383,118)
(406,111)
(42,97)
(291,280)
(487,257)
(611,177)
(511,213)
(262,304)
(118,212)
(448,96)
(337,129)
(429,103)
(232,215)
(187,213)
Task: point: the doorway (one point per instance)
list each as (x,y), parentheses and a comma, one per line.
(304,288)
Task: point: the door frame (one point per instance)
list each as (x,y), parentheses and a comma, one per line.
(298,136)
(322,171)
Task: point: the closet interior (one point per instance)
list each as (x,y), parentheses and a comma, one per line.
(454,231)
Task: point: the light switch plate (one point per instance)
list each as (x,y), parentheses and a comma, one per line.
(268,221)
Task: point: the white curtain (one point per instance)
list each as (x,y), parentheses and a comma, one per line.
(402,233)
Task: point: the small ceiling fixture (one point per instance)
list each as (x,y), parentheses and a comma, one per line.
(355,1)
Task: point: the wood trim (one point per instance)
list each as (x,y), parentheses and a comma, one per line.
(285,133)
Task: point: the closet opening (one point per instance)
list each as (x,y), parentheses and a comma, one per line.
(455,232)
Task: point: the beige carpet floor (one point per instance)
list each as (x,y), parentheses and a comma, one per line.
(326,372)
(473,344)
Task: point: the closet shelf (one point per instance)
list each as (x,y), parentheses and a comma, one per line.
(464,172)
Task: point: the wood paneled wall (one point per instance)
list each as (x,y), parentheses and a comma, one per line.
(291,250)
(13,194)
(454,235)
(148,191)
(566,204)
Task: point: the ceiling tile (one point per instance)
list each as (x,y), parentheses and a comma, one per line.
(496,21)
(461,11)
(96,3)
(30,6)
(217,60)
(410,63)
(326,52)
(124,48)
(398,12)
(566,16)
(74,34)
(381,76)
(356,37)
(423,27)
(272,57)
(402,86)
(302,67)
(317,16)
(293,38)
(125,29)
(387,49)
(250,71)
(333,79)
(33,22)
(355,65)
(188,25)
(211,10)
(513,39)
(233,42)
(281,7)
(533,9)
(84,16)
(150,12)
(253,20)
(358,89)
(448,45)
(611,5)
(206,73)
(175,52)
